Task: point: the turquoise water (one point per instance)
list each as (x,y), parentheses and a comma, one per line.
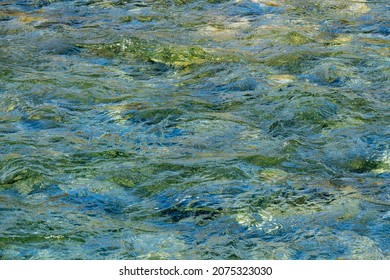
(185,129)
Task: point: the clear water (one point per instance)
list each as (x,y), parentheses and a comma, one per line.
(185,129)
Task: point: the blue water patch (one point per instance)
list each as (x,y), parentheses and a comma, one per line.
(249,8)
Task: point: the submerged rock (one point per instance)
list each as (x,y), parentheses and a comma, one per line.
(326,244)
(24,180)
(383,164)
(273,175)
(281,80)
(329,73)
(333,8)
(296,38)
(245,84)
(295,61)
(165,53)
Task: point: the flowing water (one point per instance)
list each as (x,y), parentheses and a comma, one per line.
(194,129)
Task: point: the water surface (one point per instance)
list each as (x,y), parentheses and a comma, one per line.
(194,129)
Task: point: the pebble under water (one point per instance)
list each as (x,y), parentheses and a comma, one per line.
(194,129)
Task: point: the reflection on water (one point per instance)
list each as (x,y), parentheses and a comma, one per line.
(194,129)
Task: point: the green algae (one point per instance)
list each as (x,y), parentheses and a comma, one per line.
(296,60)
(273,175)
(330,8)
(263,160)
(154,51)
(126,19)
(296,38)
(23,180)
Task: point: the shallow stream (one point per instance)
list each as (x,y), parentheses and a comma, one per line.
(194,129)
